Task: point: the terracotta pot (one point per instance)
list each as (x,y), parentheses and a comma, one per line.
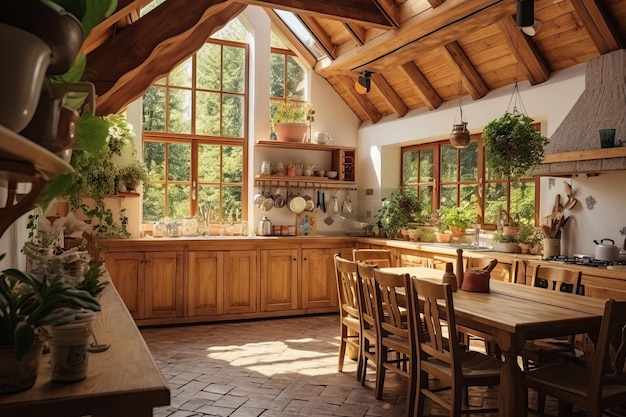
(19,375)
(510,230)
(442,237)
(290,132)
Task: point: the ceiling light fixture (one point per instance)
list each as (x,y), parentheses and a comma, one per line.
(532,30)
(525,15)
(364,82)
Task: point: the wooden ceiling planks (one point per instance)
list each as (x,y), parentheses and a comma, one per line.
(413,46)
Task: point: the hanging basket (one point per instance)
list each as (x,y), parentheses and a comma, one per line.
(460,136)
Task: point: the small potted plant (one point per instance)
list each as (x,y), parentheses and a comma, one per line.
(397,211)
(513,147)
(28,304)
(459,219)
(510,224)
(505,243)
(529,238)
(132,174)
(291,120)
(440,227)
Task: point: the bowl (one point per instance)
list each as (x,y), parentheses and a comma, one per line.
(331,174)
(320,173)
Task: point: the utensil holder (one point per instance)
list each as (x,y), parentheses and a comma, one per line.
(607,138)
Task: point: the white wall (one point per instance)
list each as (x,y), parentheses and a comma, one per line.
(549,102)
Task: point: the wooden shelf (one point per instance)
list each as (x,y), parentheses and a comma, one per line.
(300,145)
(302,181)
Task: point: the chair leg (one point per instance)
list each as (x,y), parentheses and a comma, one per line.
(422,382)
(342,347)
(565,409)
(457,402)
(381,355)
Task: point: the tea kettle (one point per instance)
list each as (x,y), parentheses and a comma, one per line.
(265,227)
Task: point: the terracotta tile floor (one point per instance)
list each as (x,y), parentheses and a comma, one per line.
(272,368)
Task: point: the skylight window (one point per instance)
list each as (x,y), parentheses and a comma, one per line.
(302,33)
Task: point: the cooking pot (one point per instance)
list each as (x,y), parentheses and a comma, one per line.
(605,251)
(265,227)
(297,204)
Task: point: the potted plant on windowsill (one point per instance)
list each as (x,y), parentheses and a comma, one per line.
(505,243)
(513,147)
(291,121)
(529,238)
(397,211)
(458,219)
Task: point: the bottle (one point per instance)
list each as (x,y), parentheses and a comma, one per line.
(449,277)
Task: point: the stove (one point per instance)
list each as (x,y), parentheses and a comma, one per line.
(582,260)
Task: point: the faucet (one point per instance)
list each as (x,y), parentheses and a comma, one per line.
(477,234)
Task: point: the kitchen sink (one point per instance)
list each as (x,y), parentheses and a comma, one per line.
(465,246)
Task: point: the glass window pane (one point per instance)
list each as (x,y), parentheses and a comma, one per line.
(233,31)
(154,110)
(232,170)
(295,80)
(178,162)
(448,196)
(231,205)
(209,163)
(207,113)
(427,165)
(234,69)
(178,199)
(210,194)
(181,75)
(409,167)
(469,162)
(469,194)
(154,157)
(180,111)
(523,201)
(233,116)
(495,198)
(277,76)
(426,200)
(208,67)
(449,166)
(153,202)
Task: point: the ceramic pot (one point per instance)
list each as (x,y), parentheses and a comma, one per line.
(460,136)
(68,348)
(551,247)
(442,237)
(290,132)
(19,375)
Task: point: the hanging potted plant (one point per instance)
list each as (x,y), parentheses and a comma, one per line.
(513,147)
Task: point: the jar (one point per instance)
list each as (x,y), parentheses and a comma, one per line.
(266,168)
(190,226)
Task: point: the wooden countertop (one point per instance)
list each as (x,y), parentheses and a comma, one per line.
(123,381)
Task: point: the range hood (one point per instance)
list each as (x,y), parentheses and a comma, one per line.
(574,147)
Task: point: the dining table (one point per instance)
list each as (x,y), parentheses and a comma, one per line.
(512,314)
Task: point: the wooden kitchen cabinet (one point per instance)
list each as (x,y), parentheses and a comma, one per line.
(150,283)
(319,284)
(221,282)
(279,279)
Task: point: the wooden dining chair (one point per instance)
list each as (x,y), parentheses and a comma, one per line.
(439,355)
(369,333)
(396,342)
(380,257)
(596,387)
(536,352)
(349,310)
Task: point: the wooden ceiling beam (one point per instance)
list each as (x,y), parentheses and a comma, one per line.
(426,92)
(528,56)
(435,3)
(390,9)
(319,33)
(389,94)
(604,36)
(431,29)
(357,32)
(471,79)
(152,49)
(361,99)
(357,11)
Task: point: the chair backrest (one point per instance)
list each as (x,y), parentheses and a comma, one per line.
(608,365)
(347,286)
(501,272)
(432,312)
(557,279)
(391,303)
(379,257)
(367,288)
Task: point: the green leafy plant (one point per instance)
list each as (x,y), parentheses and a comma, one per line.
(292,112)
(529,234)
(133,173)
(513,147)
(27,303)
(499,237)
(398,210)
(460,218)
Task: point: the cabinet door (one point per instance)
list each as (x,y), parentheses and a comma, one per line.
(279,279)
(319,283)
(127,274)
(240,282)
(164,284)
(205,283)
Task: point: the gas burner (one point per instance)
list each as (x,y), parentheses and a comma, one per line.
(581,260)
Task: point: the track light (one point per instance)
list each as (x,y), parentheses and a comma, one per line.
(363,83)
(525,15)
(532,30)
